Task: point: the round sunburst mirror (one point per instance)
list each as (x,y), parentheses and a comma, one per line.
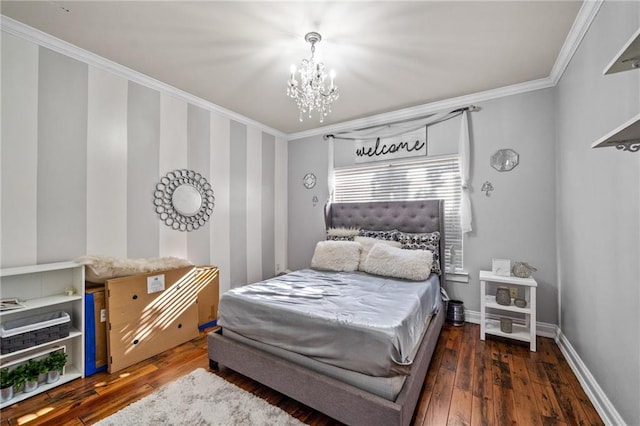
(184,200)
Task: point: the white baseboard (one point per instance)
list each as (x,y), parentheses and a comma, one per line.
(602,404)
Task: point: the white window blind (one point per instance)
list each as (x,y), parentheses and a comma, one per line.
(421,180)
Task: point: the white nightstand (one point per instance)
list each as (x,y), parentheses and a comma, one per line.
(526,332)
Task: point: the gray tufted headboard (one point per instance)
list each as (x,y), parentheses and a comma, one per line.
(405,216)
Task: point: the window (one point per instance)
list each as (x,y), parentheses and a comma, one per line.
(416,180)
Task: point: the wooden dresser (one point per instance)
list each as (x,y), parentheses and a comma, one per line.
(150,313)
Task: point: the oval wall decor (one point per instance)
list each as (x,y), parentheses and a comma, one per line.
(504,160)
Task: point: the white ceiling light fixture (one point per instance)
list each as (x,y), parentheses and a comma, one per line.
(310,92)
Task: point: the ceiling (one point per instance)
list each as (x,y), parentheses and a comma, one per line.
(387,55)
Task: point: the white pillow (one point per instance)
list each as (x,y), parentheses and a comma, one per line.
(398,263)
(367,243)
(336,256)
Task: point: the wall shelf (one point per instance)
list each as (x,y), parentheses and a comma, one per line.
(628,58)
(626,137)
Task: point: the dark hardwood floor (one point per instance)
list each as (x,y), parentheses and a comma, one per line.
(469,382)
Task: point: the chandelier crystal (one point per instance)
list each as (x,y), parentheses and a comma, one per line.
(310,92)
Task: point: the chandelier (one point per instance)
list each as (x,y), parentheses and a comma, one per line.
(310,92)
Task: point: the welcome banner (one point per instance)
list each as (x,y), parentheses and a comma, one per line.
(411,144)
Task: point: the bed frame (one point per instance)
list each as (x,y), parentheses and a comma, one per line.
(343,402)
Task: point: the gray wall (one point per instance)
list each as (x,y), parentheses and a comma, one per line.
(306,221)
(516,222)
(599,211)
(83,148)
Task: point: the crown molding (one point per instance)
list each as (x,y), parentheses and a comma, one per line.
(585,17)
(581,24)
(587,13)
(18,29)
(422,110)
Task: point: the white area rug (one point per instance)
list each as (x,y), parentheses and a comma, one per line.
(200,398)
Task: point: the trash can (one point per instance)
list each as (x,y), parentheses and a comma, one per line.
(455,312)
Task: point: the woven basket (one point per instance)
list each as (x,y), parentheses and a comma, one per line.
(33,331)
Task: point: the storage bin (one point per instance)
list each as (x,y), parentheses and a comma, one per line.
(95,326)
(34,330)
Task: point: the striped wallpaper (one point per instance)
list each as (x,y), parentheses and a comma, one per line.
(82,150)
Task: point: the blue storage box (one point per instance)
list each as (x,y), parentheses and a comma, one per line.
(95,319)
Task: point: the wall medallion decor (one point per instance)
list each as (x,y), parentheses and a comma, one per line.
(309,180)
(504,160)
(184,200)
(487,187)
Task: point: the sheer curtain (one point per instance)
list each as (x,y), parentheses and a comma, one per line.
(464,149)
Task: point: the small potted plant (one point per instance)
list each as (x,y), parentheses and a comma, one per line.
(6,384)
(32,371)
(19,378)
(55,362)
(42,371)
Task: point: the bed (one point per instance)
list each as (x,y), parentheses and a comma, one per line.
(378,395)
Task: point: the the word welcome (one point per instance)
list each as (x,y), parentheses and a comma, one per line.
(377,150)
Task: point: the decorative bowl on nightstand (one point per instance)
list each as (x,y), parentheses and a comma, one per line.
(520,303)
(522,270)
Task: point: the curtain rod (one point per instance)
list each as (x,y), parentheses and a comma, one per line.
(469,108)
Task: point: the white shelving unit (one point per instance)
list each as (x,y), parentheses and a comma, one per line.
(42,289)
(525,332)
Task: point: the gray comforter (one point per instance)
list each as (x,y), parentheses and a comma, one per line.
(353,320)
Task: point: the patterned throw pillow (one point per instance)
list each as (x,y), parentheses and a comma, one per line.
(426,241)
(340,237)
(381,235)
(342,234)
